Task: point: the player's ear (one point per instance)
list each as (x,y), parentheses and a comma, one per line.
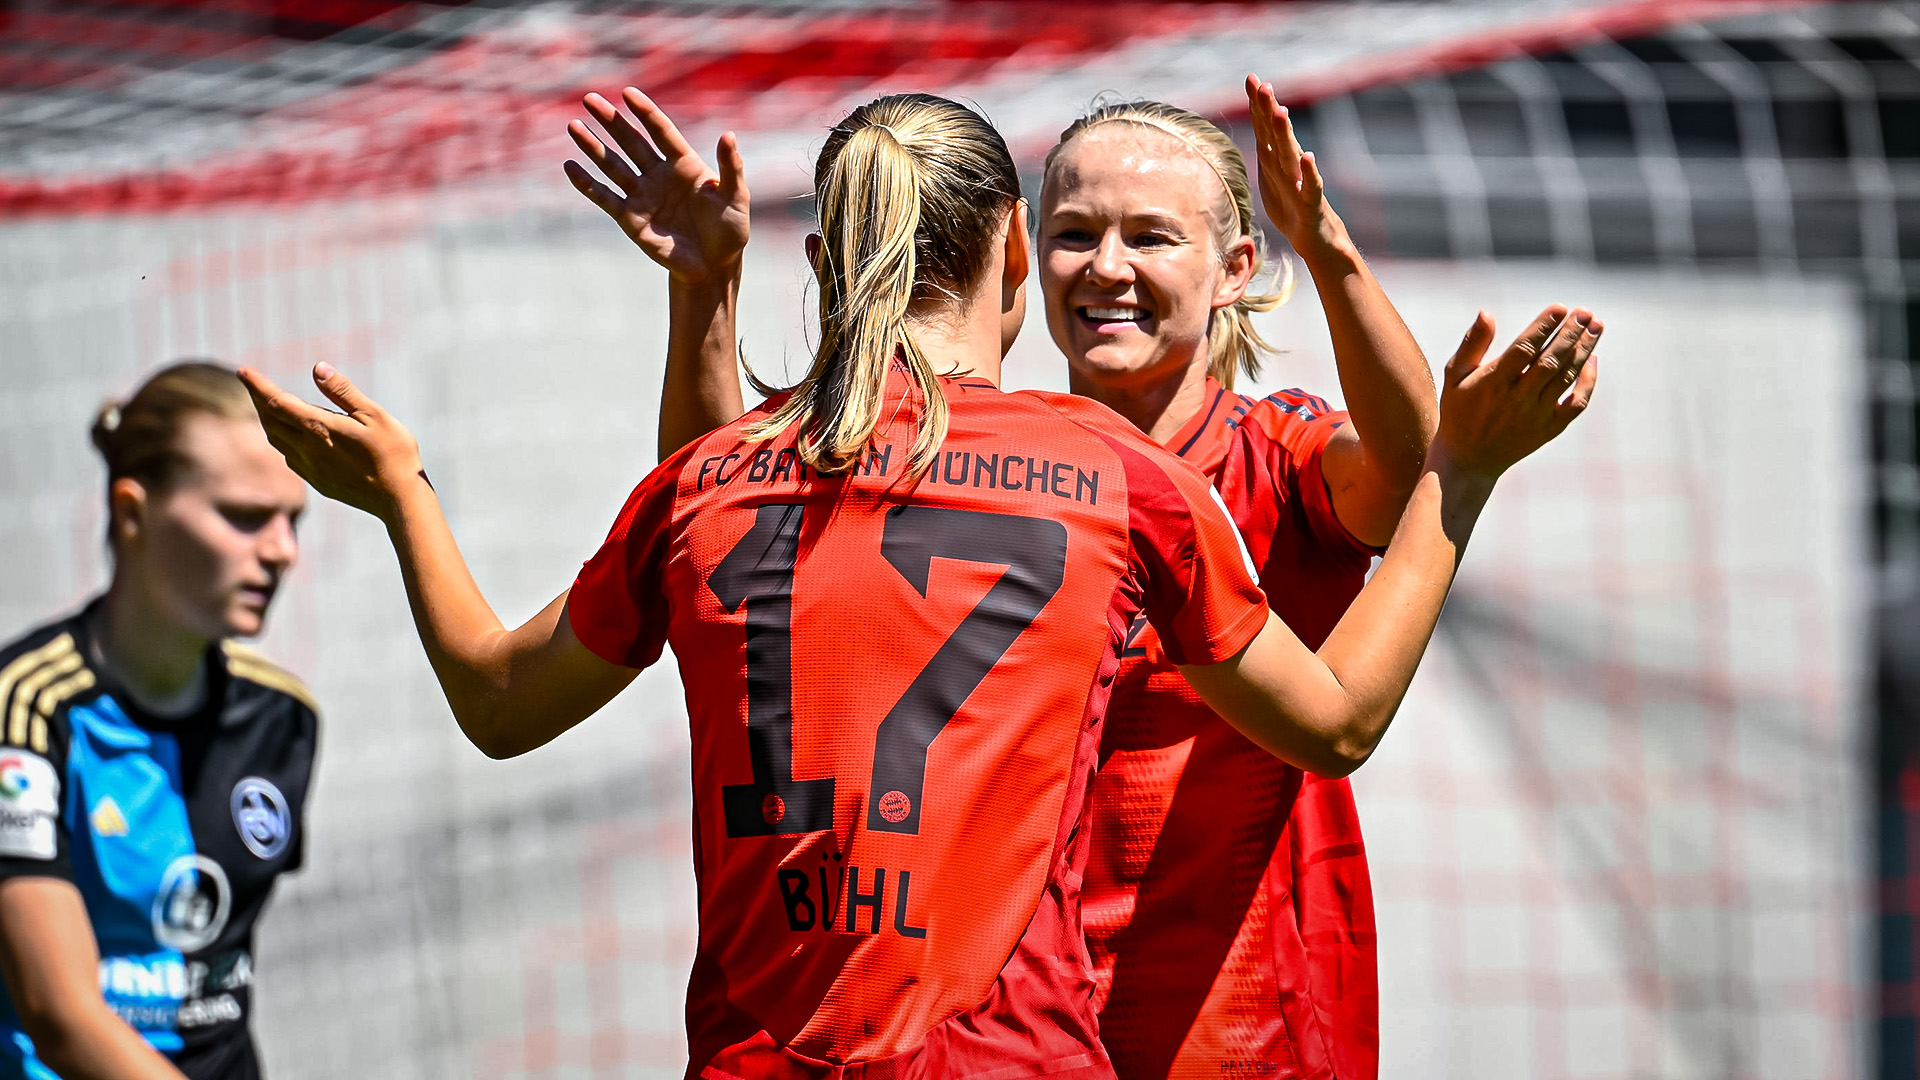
(1013,277)
(127,506)
(813,253)
(1019,247)
(1236,266)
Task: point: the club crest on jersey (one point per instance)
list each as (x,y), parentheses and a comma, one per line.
(261,815)
(191,907)
(895,806)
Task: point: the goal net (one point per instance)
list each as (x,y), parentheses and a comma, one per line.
(1618,829)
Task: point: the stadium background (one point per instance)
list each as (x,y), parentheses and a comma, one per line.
(1649,809)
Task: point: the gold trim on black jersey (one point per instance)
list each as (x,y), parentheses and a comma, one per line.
(245,663)
(51,699)
(23,680)
(45,677)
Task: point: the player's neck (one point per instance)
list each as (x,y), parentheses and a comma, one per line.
(158,663)
(1158,407)
(960,342)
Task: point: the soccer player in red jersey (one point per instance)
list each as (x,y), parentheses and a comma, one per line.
(1228,906)
(898,597)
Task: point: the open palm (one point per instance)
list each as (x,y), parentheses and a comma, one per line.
(1494,412)
(1291,189)
(684,215)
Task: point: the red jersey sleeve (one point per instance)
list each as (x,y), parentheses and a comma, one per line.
(618,605)
(1196,579)
(1291,430)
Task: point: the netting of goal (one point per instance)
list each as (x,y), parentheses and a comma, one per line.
(1617,830)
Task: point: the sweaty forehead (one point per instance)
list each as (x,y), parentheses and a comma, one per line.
(1129,168)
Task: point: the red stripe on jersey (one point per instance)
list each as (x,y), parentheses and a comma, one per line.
(1227,902)
(895,689)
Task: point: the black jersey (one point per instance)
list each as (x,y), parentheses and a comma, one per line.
(173,830)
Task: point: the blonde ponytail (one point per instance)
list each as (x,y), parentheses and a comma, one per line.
(911,191)
(1233,345)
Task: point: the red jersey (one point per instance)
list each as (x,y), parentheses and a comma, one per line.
(1227,903)
(896,687)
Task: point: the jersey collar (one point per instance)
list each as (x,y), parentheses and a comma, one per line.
(1188,439)
(210,710)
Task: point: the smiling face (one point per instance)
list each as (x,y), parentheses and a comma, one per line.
(1130,263)
(209,548)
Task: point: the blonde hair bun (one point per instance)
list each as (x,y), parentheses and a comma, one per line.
(105,422)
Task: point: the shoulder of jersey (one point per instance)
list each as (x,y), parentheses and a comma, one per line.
(727,434)
(249,666)
(767,407)
(1090,414)
(1294,404)
(40,672)
(1094,417)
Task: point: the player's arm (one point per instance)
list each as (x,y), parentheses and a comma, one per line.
(701,390)
(511,690)
(1326,712)
(52,968)
(691,220)
(1372,463)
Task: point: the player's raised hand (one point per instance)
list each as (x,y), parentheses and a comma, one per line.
(1290,186)
(360,456)
(684,215)
(1494,412)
